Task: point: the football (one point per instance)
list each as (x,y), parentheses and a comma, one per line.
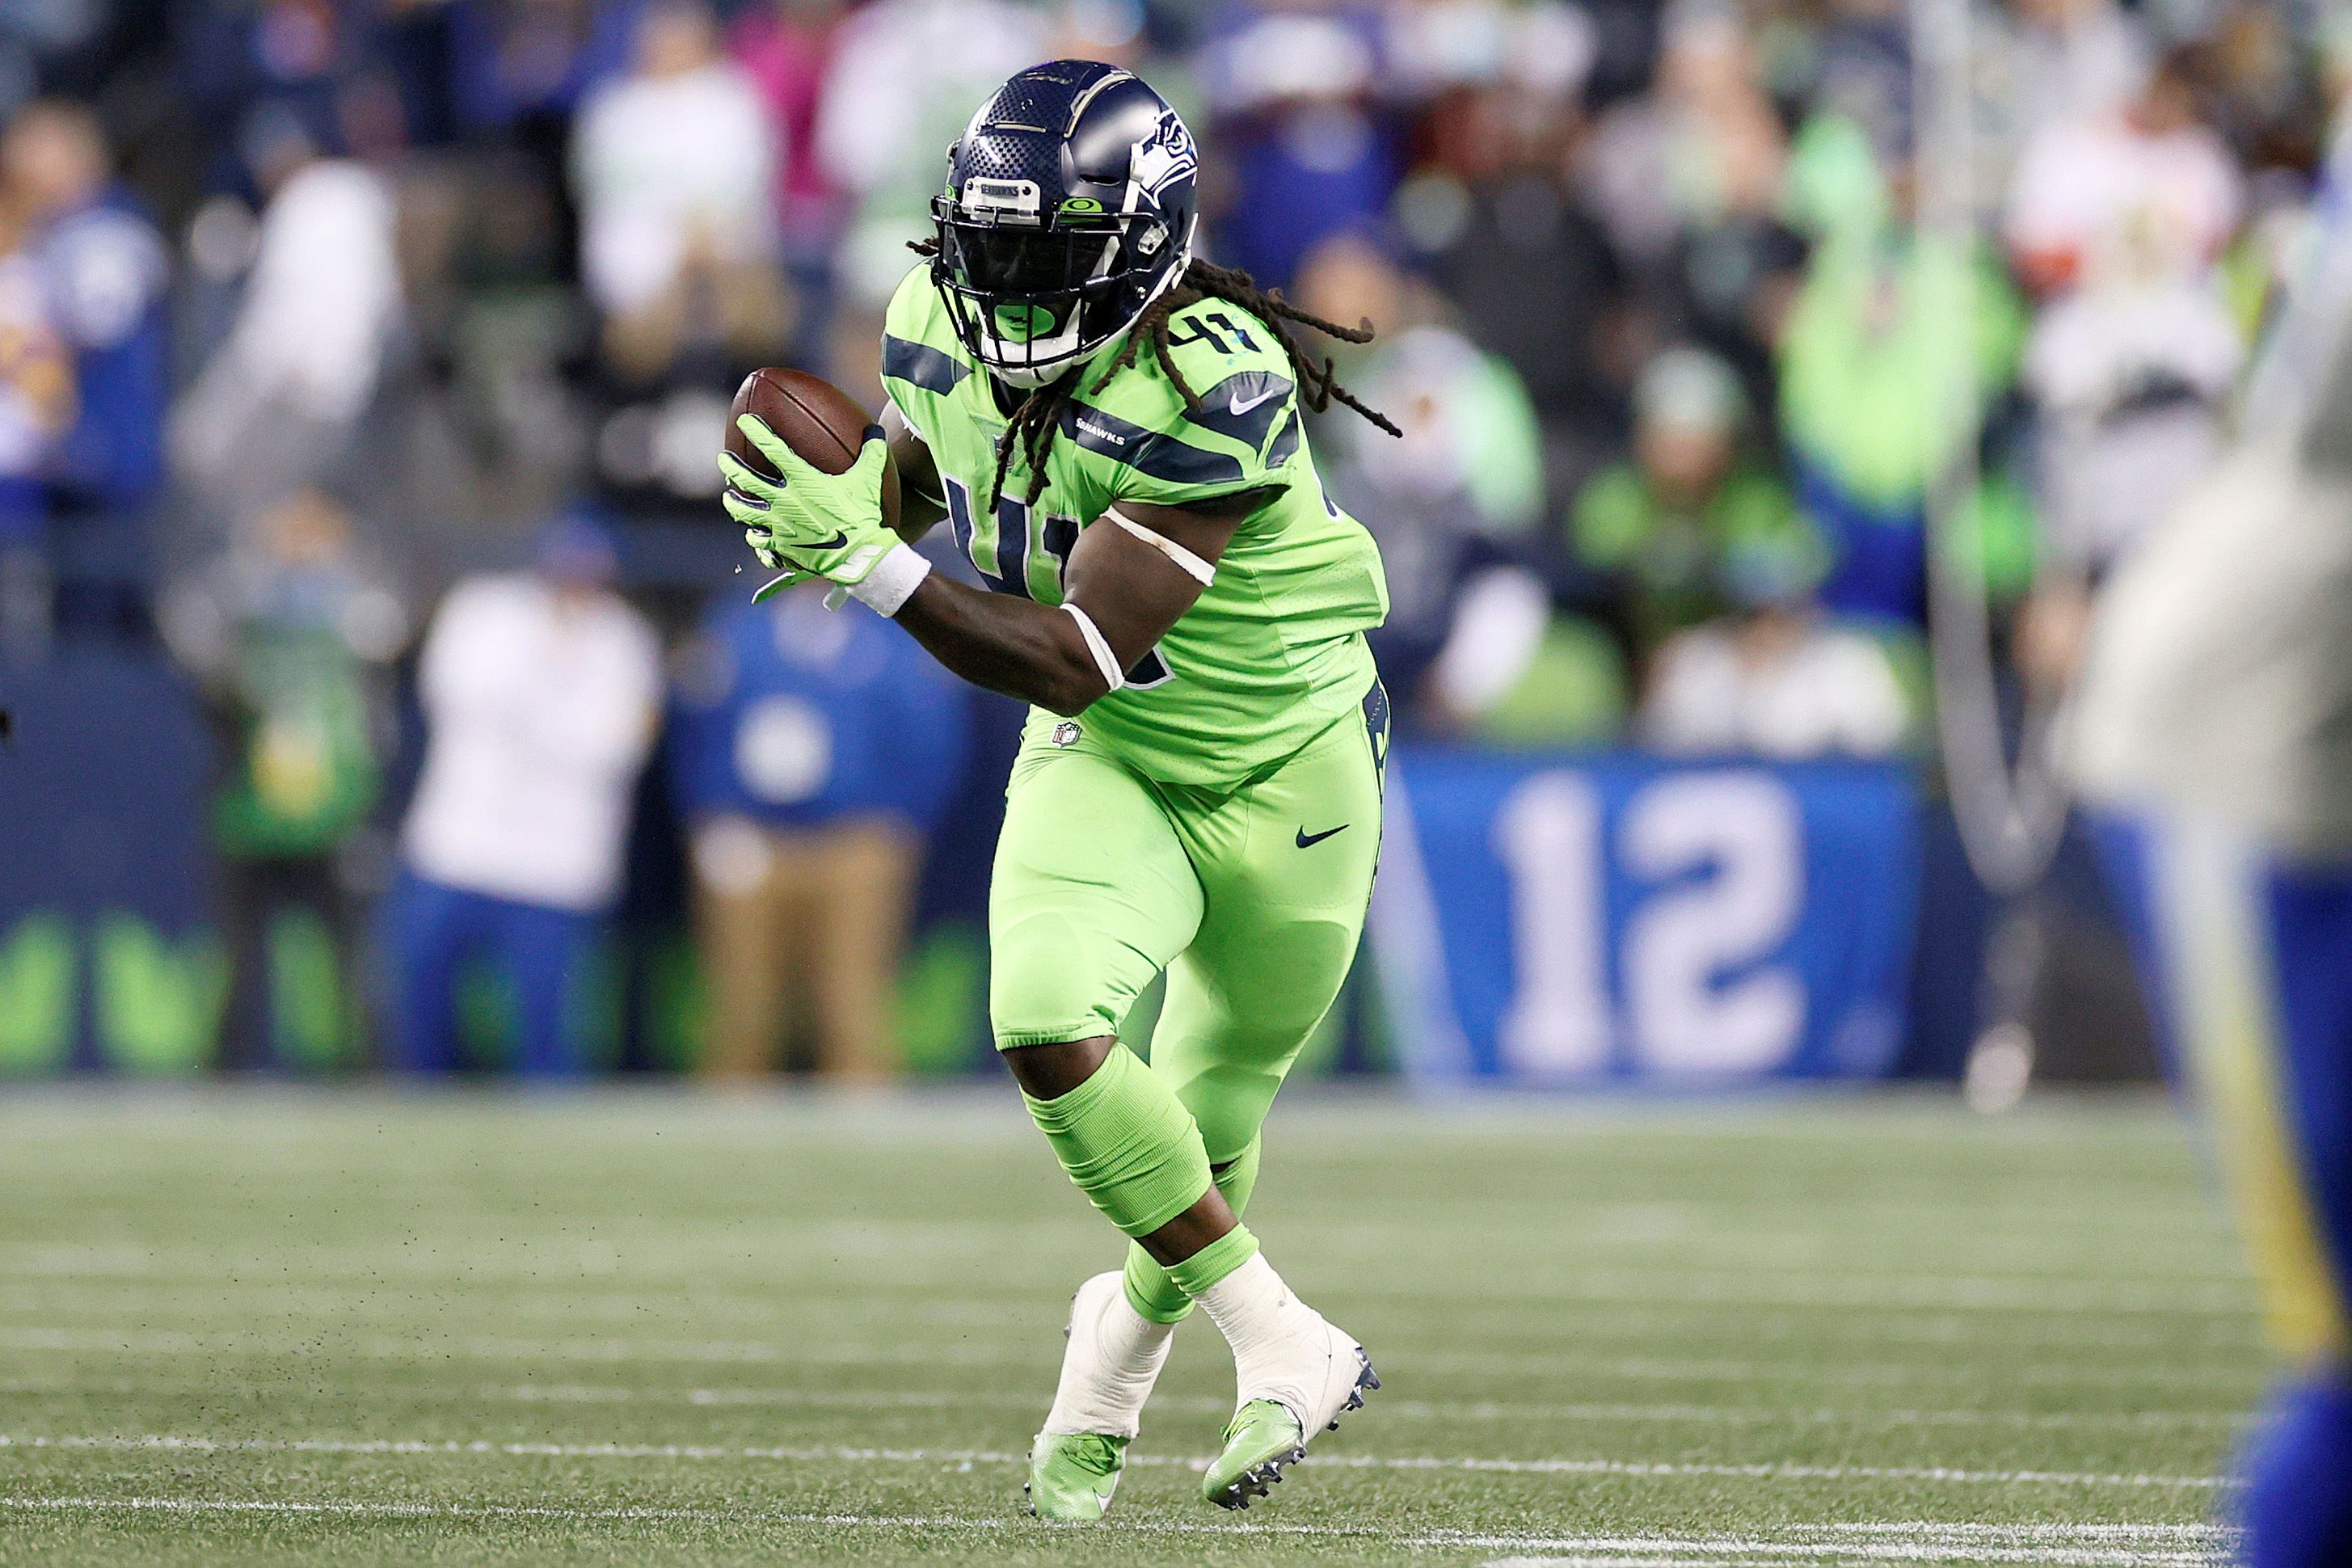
(817,419)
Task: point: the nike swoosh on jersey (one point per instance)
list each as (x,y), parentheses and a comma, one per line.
(1307,841)
(1240,406)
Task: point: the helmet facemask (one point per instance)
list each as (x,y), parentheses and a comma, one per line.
(1034,295)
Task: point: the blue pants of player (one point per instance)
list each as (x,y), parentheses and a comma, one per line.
(431,932)
(2255,957)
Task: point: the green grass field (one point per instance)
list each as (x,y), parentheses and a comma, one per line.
(611,1329)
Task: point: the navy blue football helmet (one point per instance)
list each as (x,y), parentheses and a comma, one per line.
(1069,207)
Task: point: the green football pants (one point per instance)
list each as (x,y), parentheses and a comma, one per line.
(1251,899)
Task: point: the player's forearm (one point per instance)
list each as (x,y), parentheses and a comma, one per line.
(1009,644)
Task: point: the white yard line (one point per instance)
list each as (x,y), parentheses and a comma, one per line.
(843,1454)
(1922,1542)
(1495,1411)
(1417,1409)
(1796,1284)
(1007,1351)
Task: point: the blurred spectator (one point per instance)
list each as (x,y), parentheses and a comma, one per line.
(1516,673)
(1885,316)
(37,406)
(256,75)
(1527,270)
(518,71)
(2120,218)
(522,66)
(813,753)
(1774,679)
(276,406)
(106,275)
(675,169)
(1658,528)
(540,690)
(2143,188)
(288,638)
(786,46)
(1468,470)
(1302,154)
(1688,180)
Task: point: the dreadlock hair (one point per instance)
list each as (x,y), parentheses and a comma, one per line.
(1038,417)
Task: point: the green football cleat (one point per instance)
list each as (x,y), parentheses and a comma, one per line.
(1072,1475)
(1264,1434)
(1258,1441)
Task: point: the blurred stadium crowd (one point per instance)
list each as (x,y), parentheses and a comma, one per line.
(367,358)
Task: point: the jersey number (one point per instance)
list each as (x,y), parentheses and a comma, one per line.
(1203,328)
(1057,535)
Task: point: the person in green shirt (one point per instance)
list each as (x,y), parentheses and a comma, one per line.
(1659,526)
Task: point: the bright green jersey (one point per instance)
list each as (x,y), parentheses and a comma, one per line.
(1273,653)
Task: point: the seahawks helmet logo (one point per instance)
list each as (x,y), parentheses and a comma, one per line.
(1164,157)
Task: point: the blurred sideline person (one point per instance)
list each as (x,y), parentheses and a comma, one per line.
(813,754)
(540,690)
(288,636)
(2216,718)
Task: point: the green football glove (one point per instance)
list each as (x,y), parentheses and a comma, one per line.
(809,523)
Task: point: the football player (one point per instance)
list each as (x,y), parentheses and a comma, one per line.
(1112,427)
(2216,721)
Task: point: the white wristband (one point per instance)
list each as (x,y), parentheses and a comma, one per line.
(893,581)
(1099,645)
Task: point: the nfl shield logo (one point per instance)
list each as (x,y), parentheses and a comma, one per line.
(1067,732)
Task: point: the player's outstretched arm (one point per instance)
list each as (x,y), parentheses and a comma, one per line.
(1127,585)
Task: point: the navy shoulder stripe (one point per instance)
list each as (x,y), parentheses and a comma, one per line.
(1160,457)
(1284,443)
(921,366)
(1244,406)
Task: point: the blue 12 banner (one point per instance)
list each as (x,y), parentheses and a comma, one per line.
(1619,918)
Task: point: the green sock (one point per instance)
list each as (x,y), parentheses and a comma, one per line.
(1128,1144)
(1149,1288)
(1214,1261)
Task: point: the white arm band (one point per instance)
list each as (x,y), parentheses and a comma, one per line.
(1099,645)
(1192,565)
(893,581)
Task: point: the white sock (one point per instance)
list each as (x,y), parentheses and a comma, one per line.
(1107,1377)
(1265,1325)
